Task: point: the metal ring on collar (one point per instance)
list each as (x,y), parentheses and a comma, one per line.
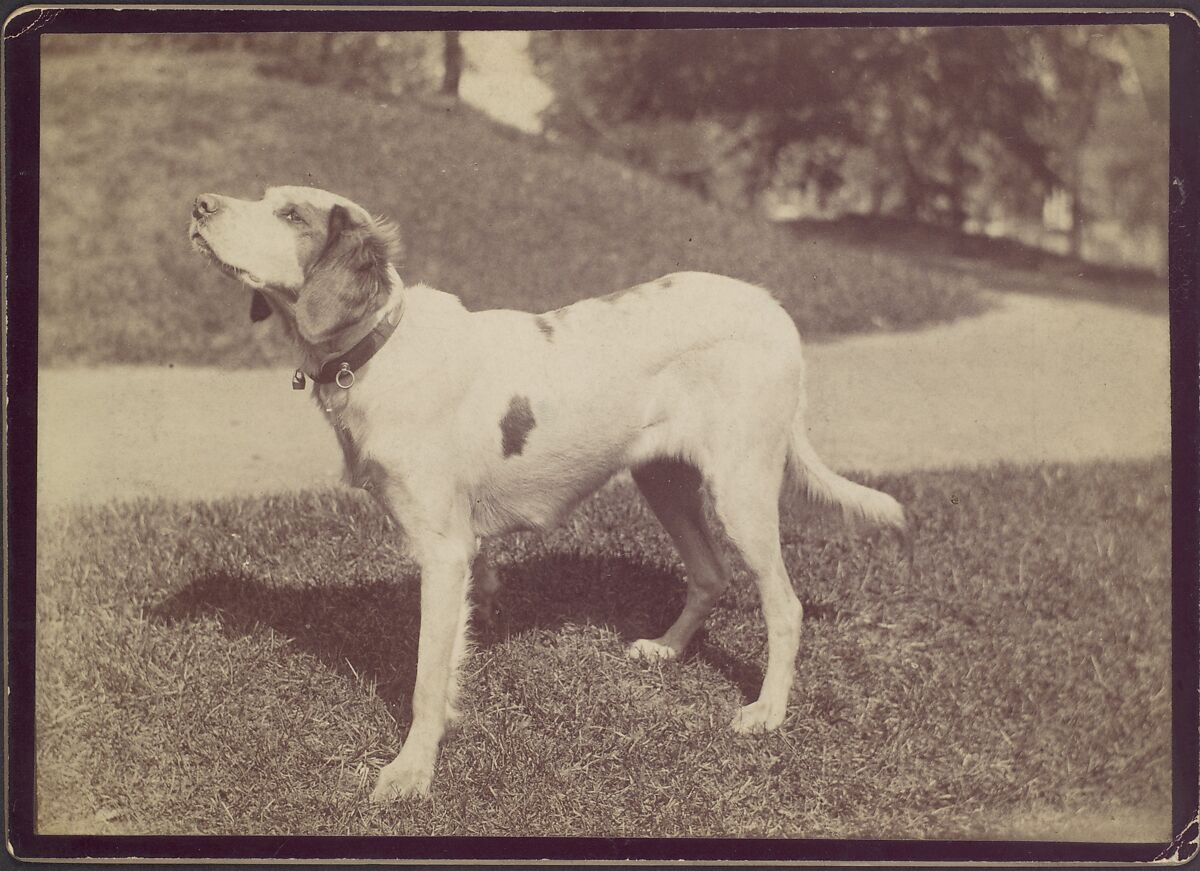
(345,370)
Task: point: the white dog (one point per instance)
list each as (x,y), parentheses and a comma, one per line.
(470,424)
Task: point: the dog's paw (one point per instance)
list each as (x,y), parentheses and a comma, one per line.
(645,648)
(403,778)
(759,716)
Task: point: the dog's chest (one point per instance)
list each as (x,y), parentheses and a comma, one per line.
(350,427)
(359,469)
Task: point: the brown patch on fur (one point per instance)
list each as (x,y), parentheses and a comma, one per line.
(310,245)
(350,277)
(546,327)
(618,295)
(362,472)
(516,425)
(665,281)
(350,455)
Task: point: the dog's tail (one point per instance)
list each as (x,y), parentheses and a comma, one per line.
(858,503)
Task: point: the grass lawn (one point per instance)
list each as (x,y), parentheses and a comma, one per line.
(244,667)
(129,137)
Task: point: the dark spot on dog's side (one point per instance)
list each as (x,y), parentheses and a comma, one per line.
(515,426)
(666,281)
(546,327)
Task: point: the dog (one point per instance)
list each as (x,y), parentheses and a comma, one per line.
(465,425)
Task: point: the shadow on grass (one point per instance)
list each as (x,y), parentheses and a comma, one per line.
(368,630)
(1003,264)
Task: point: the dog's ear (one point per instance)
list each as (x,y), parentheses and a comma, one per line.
(260,309)
(350,277)
(360,240)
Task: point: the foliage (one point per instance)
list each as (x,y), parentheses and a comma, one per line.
(383,63)
(940,111)
(245,666)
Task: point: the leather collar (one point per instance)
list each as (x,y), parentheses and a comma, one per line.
(341,368)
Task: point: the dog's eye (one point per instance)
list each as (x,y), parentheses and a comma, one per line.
(291,216)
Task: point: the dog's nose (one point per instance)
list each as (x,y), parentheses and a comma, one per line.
(205,205)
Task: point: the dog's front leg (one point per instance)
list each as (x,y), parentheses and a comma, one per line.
(445,568)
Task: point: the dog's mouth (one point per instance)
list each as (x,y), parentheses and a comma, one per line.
(201,244)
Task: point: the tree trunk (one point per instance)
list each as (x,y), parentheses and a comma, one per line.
(452,58)
(912,187)
(1075,232)
(326,50)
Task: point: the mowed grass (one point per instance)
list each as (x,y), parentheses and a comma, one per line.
(244,667)
(129,137)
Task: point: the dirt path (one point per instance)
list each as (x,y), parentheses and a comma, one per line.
(1035,380)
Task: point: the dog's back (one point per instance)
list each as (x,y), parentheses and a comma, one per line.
(674,368)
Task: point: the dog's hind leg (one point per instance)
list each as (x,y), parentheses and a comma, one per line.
(487,588)
(746,498)
(673,490)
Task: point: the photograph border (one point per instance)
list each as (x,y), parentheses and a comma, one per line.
(21,72)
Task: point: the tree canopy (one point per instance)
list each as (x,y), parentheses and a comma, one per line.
(942,113)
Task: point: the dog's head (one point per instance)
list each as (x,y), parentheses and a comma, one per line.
(317,258)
